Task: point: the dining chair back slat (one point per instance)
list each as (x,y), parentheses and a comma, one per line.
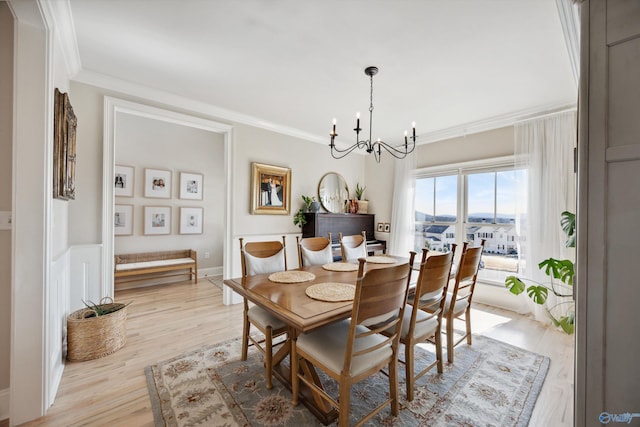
(314,250)
(353,247)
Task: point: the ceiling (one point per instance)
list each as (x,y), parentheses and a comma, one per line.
(293,66)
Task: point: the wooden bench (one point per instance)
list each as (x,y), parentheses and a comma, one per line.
(130,265)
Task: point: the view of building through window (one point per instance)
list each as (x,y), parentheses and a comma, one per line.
(483,206)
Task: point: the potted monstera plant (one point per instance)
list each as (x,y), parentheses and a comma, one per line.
(561,273)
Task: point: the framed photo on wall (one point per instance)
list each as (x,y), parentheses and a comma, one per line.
(157,183)
(380,227)
(123,220)
(123,181)
(387,227)
(64,147)
(191,220)
(270,189)
(191,185)
(157,220)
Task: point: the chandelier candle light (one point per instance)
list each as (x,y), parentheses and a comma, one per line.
(375,147)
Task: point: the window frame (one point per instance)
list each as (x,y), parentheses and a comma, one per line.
(462,170)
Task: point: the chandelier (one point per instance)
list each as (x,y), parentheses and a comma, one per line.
(375,147)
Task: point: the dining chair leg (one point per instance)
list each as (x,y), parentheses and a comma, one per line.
(393,385)
(450,339)
(268,355)
(245,332)
(345,401)
(467,317)
(295,367)
(439,350)
(408,363)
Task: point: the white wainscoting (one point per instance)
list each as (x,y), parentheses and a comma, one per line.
(57,310)
(86,275)
(229,297)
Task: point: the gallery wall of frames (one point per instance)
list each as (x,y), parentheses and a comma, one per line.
(158,188)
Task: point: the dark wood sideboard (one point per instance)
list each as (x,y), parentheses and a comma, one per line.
(321,224)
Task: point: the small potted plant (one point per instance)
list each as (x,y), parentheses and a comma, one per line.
(311,204)
(363,204)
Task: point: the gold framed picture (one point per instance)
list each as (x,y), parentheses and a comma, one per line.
(271,190)
(64,148)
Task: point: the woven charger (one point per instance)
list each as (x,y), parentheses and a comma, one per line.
(291,276)
(332,292)
(381,260)
(340,266)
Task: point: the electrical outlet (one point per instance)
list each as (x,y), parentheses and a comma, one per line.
(207,254)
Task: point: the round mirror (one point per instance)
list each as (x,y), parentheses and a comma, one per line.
(333,192)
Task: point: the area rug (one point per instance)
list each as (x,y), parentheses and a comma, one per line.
(489,384)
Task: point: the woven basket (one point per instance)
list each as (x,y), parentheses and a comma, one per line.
(94,337)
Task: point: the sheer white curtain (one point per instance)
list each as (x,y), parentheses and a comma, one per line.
(544,147)
(403,212)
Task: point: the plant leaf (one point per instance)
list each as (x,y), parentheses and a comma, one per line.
(538,293)
(558,269)
(515,285)
(568,223)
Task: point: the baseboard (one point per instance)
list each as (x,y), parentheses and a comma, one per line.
(4,404)
(208,272)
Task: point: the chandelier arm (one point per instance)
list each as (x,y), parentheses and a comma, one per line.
(359,144)
(342,153)
(399,154)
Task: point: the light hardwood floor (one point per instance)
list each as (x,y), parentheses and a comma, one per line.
(167,320)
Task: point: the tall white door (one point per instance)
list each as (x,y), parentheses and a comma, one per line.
(608,282)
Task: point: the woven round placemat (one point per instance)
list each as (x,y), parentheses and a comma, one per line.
(291,276)
(381,259)
(332,292)
(340,266)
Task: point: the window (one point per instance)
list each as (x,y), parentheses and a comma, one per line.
(436,212)
(474,203)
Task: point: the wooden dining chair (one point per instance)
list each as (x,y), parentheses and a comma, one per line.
(352,350)
(459,296)
(422,320)
(262,258)
(353,247)
(314,250)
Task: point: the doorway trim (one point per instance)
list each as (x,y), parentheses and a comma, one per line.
(113,107)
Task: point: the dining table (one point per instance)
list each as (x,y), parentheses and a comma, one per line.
(301,313)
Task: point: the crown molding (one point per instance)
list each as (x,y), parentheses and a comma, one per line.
(178,101)
(496,122)
(60,13)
